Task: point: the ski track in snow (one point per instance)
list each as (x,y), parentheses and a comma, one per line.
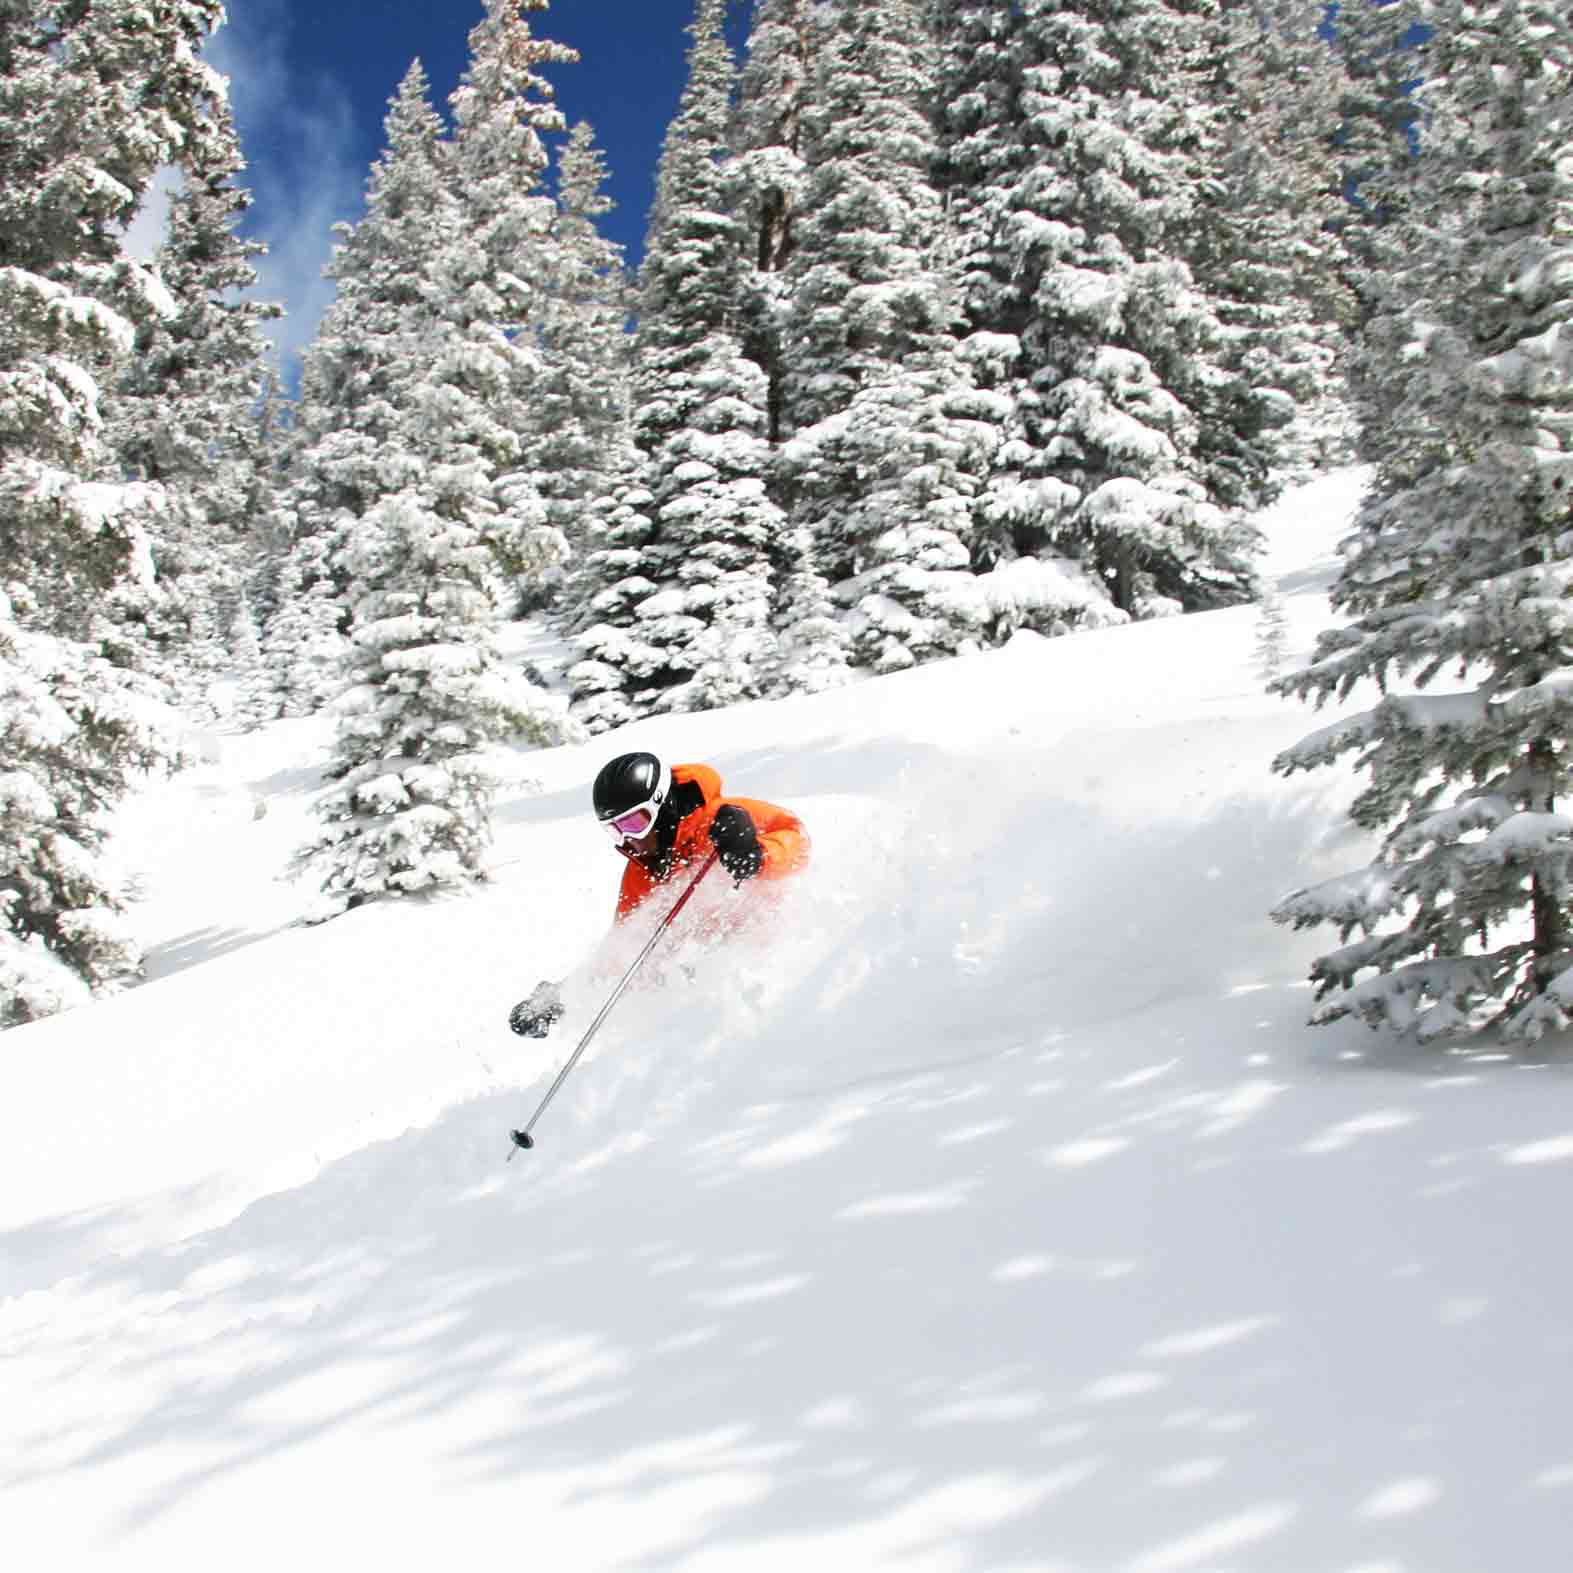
(994,1210)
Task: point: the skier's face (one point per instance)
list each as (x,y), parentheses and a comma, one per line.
(635,825)
(637,846)
(635,832)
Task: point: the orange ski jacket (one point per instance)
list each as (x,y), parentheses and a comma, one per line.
(697,791)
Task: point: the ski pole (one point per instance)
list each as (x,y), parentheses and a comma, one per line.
(523,1138)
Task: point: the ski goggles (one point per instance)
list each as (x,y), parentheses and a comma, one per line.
(635,823)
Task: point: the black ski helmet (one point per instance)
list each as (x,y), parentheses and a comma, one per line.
(630,781)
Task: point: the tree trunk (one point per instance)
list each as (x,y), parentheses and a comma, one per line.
(1550,919)
(1122,589)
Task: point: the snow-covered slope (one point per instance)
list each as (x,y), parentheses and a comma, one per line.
(995,1210)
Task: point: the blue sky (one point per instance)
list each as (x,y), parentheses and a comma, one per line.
(311,84)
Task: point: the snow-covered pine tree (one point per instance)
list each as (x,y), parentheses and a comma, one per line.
(607,586)
(582,437)
(981,154)
(74,736)
(425,499)
(271,524)
(1463,563)
(888,433)
(767,175)
(347,412)
(1025,579)
(689,626)
(1373,43)
(1272,633)
(812,645)
(186,413)
(1260,139)
(864,294)
(429,697)
(304,646)
(253,699)
(767,170)
(1117,338)
(494,276)
(94,99)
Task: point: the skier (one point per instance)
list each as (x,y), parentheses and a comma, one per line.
(664,819)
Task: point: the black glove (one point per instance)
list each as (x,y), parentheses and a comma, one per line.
(533,1017)
(736,842)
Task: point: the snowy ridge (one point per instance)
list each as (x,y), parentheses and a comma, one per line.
(993,1209)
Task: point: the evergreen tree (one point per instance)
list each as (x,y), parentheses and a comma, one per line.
(866,293)
(1120,344)
(385,300)
(767,172)
(74,736)
(1272,634)
(767,177)
(429,697)
(494,275)
(1377,143)
(582,414)
(812,653)
(425,496)
(254,700)
(1025,581)
(271,523)
(590,468)
(886,438)
(689,626)
(187,414)
(423,499)
(618,663)
(1463,562)
(94,100)
(1378,119)
(1259,136)
(304,645)
(982,154)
